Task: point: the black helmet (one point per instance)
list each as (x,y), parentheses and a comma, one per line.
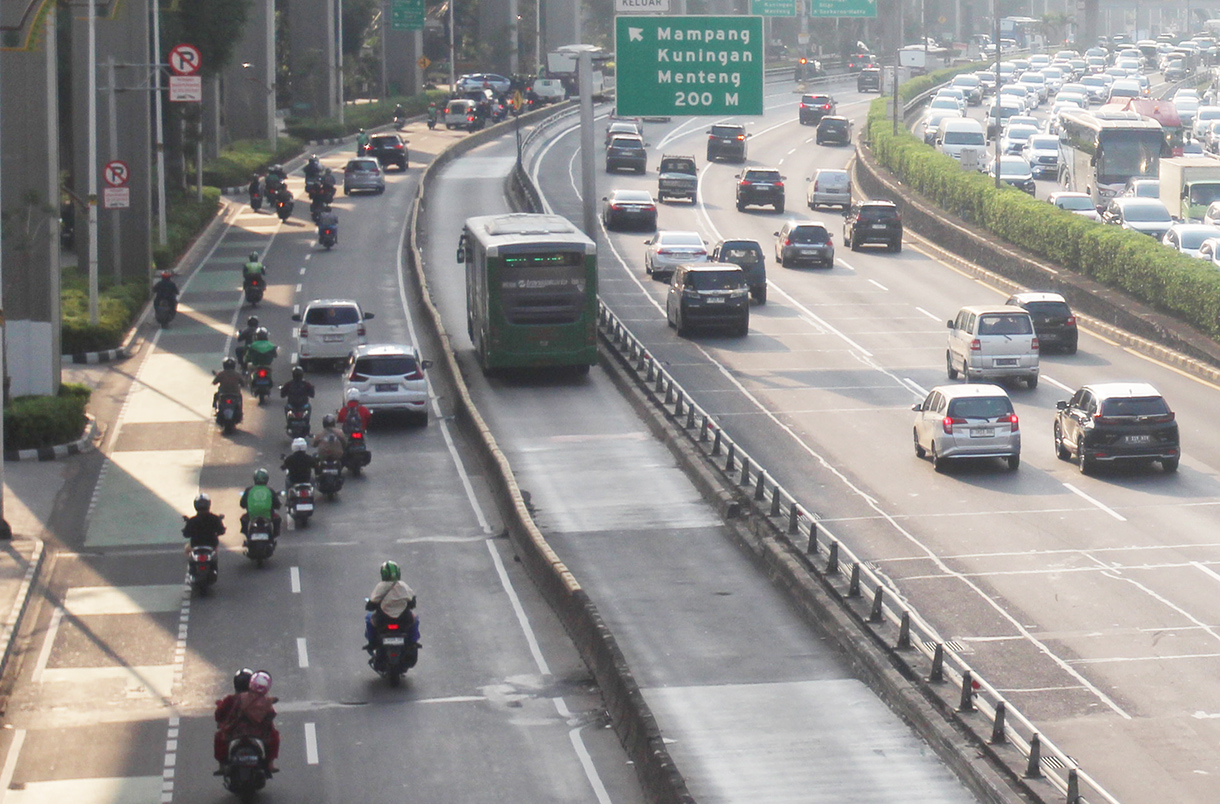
(298,373)
(329,420)
(241,679)
(203,503)
(229,363)
(261,334)
(252,321)
(253,256)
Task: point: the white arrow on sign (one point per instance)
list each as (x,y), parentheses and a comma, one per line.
(635,34)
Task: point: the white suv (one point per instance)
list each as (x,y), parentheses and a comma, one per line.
(388,377)
(330,329)
(990,342)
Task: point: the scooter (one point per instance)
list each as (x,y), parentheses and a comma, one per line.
(246,772)
(396,651)
(254,286)
(283,208)
(329,473)
(201,568)
(399,122)
(297,420)
(356,453)
(316,205)
(228,412)
(165,309)
(260,382)
(300,503)
(256,200)
(260,540)
(327,237)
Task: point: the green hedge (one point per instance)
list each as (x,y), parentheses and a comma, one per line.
(1134,263)
(241,160)
(31,422)
(186,218)
(362,115)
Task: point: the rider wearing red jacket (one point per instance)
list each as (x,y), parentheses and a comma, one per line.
(354,408)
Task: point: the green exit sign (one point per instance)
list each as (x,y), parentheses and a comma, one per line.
(843,8)
(773,8)
(406,15)
(687,65)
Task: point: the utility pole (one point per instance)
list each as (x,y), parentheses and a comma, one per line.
(339,61)
(159,145)
(113,124)
(995,6)
(6,531)
(452,49)
(91,112)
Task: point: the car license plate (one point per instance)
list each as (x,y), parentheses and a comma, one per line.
(809,251)
(395,640)
(304,506)
(386,387)
(1137,439)
(332,338)
(260,537)
(878,225)
(1005,361)
(983,432)
(716,300)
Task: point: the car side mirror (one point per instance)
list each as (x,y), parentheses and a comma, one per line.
(737,175)
(917,407)
(368,316)
(949,324)
(427,364)
(648,242)
(783,178)
(1061,405)
(461,254)
(296,316)
(775,234)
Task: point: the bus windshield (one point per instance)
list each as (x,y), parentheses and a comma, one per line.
(1126,154)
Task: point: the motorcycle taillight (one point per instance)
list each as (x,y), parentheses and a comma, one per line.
(357,436)
(262,374)
(391,626)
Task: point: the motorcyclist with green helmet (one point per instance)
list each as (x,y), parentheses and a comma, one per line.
(390,600)
(254,267)
(261,351)
(362,143)
(260,500)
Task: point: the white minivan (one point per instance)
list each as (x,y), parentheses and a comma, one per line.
(959,134)
(993,342)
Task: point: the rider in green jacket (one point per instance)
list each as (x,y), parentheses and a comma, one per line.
(261,351)
(260,500)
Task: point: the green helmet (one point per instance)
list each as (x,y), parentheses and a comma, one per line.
(390,571)
(260,477)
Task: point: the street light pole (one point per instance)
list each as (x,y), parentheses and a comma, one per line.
(339,60)
(452,50)
(91,112)
(995,6)
(159,145)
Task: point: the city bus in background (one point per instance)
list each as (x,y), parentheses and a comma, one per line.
(531,291)
(1025,31)
(1099,152)
(1163,112)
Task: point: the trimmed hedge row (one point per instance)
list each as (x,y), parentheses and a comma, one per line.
(32,422)
(238,162)
(362,115)
(1134,263)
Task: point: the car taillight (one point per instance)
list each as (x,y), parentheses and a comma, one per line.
(948,422)
(741,136)
(357,377)
(975,345)
(1010,419)
(746,183)
(1033,343)
(665,251)
(779,184)
(830,240)
(360,330)
(826,106)
(1071,321)
(787,241)
(803,105)
(304,331)
(398,147)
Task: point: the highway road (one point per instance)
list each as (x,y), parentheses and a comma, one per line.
(1090,602)
(112,703)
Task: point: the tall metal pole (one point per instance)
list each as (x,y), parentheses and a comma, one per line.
(159,146)
(452,49)
(6,531)
(995,7)
(538,37)
(898,65)
(113,124)
(588,173)
(339,61)
(385,31)
(514,39)
(269,46)
(91,112)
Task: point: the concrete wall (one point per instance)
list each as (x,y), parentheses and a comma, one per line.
(245,91)
(29,196)
(402,50)
(311,30)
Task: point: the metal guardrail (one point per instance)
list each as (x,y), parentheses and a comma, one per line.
(883,610)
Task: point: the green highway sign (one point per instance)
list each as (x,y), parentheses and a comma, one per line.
(689,65)
(843,8)
(773,8)
(406,15)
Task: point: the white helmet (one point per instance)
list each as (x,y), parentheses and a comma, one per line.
(353,394)
(260,682)
(299,445)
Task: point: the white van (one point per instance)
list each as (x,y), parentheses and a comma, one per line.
(830,187)
(959,134)
(992,342)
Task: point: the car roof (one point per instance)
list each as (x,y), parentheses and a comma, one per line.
(880,202)
(1108,390)
(1032,296)
(794,224)
(362,160)
(761,168)
(738,242)
(678,232)
(332,303)
(988,309)
(378,349)
(710,267)
(972,389)
(623,192)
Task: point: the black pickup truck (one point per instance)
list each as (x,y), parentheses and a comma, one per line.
(678,178)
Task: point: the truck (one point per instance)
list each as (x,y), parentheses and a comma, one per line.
(1189,184)
(677,178)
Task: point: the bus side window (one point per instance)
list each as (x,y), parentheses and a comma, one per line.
(461,249)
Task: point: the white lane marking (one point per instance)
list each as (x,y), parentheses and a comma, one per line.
(790,153)
(302,273)
(302,653)
(184,618)
(169,769)
(48,642)
(878,284)
(10,761)
(518,609)
(311,744)
(1100,505)
(452,699)
(582,752)
(1206,570)
(928,314)
(1065,388)
(294,576)
(297,289)
(308,254)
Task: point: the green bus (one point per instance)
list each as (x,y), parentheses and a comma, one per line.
(531,291)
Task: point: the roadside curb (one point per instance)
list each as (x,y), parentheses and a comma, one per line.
(12,621)
(80,445)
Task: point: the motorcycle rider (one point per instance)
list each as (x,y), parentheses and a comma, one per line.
(244,339)
(432,113)
(328,186)
(330,442)
(399,114)
(204,529)
(249,713)
(327,219)
(260,500)
(390,599)
(298,466)
(298,391)
(255,188)
(166,289)
(362,143)
(283,195)
(261,351)
(353,410)
(312,169)
(253,269)
(231,383)
(224,710)
(275,180)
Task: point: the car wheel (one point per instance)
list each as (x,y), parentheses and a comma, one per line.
(817,140)
(741,207)
(779,207)
(1170,464)
(743,329)
(938,463)
(949,369)
(1071,349)
(897,246)
(346,191)
(1061,450)
(760,294)
(680,325)
(854,244)
(1014,461)
(1083,462)
(779,260)
(1032,381)
(920,452)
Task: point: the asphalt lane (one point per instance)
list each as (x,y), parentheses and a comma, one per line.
(113,701)
(1086,600)
(754,705)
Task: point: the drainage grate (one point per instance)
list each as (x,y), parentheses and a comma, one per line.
(951,645)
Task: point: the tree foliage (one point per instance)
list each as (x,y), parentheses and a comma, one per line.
(213,26)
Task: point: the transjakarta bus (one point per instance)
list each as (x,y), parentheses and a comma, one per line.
(1099,152)
(531,291)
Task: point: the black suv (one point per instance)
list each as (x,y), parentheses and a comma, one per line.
(873,222)
(1054,323)
(814,107)
(1117,421)
(626,151)
(833,128)
(748,255)
(726,141)
(869,80)
(760,187)
(388,149)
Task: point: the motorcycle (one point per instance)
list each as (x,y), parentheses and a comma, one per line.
(316,206)
(256,200)
(300,503)
(283,208)
(329,473)
(260,382)
(201,567)
(246,772)
(297,420)
(431,122)
(399,122)
(165,309)
(254,286)
(356,453)
(260,540)
(327,237)
(396,651)
(228,412)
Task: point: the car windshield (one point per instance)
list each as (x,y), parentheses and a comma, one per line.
(1193,238)
(980,407)
(362,164)
(1005,324)
(964,138)
(1134,406)
(680,239)
(1146,213)
(833,123)
(1020,133)
(627,143)
(332,316)
(715,280)
(1075,203)
(808,234)
(1014,167)
(878,213)
(1044,143)
(1203,194)
(385,365)
(677,166)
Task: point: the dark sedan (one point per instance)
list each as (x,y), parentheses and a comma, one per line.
(1015,172)
(388,149)
(634,208)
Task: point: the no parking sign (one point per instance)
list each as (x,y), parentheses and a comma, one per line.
(185,85)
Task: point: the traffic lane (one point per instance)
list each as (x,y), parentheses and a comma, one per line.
(609,515)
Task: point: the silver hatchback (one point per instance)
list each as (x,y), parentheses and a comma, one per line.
(363,174)
(967,421)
